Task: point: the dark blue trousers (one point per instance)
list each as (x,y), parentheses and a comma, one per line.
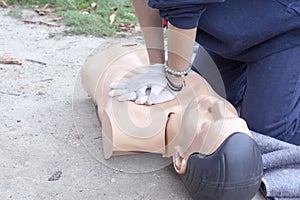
(256,47)
(267,91)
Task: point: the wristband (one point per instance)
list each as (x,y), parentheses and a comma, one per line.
(173,87)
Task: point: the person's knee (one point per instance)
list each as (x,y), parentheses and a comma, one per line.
(283,128)
(234,171)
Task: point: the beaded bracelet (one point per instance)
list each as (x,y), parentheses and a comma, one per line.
(177,73)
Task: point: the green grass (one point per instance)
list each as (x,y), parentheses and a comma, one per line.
(90,24)
(16,13)
(96,22)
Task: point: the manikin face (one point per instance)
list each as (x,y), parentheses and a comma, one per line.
(206,123)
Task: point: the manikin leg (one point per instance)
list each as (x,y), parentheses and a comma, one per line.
(211,146)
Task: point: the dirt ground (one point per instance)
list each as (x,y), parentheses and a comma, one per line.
(49,128)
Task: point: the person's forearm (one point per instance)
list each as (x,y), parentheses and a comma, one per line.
(151,24)
(180,47)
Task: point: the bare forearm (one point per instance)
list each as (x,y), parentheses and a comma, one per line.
(151,24)
(180,41)
(180,47)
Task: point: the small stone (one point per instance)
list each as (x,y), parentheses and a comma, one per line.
(40,93)
(55,176)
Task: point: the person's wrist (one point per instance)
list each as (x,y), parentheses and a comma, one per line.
(176,73)
(176,79)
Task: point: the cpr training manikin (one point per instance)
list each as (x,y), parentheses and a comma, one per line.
(212,148)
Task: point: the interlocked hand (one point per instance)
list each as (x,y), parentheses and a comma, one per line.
(147,88)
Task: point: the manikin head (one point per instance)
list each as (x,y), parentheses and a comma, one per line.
(215,153)
(206,123)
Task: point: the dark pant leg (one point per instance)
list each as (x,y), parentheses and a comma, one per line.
(271,100)
(231,73)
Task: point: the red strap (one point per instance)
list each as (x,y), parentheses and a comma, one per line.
(165,23)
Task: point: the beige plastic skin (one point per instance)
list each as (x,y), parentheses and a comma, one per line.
(197,121)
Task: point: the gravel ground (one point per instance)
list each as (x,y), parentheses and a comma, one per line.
(50,142)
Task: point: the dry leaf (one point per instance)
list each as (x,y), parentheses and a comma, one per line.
(94,5)
(112,18)
(88,9)
(114,8)
(3,4)
(79,136)
(9,60)
(58,18)
(60,9)
(44,10)
(126,27)
(48,6)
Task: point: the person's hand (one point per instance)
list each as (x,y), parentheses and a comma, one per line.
(147,88)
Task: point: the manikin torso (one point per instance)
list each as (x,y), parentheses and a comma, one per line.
(198,120)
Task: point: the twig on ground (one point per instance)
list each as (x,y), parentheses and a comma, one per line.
(48,79)
(9,93)
(35,61)
(48,23)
